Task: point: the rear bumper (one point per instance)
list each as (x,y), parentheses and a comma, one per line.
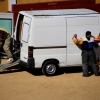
(30,63)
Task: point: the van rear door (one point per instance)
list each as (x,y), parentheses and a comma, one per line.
(24,39)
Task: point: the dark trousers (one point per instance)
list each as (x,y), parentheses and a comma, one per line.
(89,56)
(6,47)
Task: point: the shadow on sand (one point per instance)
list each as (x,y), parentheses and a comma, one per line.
(75,69)
(38,72)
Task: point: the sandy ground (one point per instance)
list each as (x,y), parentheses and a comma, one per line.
(18,84)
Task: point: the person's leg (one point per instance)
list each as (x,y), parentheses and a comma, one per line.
(99,55)
(93,62)
(96,50)
(6,47)
(85,62)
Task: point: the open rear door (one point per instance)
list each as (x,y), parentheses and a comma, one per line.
(24,39)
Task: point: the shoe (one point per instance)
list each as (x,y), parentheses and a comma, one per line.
(85,75)
(97,74)
(10,60)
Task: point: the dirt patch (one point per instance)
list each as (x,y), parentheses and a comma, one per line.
(19,84)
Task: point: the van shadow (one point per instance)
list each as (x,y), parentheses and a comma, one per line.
(75,69)
(69,70)
(35,72)
(38,72)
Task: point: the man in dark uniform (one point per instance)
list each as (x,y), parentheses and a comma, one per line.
(88,54)
(5,39)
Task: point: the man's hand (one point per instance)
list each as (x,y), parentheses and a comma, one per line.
(97,39)
(1,39)
(75,36)
(92,36)
(0,43)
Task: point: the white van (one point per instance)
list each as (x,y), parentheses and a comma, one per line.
(45,37)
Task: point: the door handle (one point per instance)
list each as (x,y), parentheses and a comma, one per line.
(21,44)
(25,58)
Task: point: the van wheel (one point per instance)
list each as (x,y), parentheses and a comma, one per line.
(50,68)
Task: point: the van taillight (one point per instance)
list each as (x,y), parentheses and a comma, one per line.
(30,51)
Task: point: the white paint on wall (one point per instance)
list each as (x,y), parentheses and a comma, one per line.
(10,2)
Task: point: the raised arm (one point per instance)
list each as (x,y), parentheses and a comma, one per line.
(97,39)
(77,41)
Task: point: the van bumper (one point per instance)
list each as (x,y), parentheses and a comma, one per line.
(30,63)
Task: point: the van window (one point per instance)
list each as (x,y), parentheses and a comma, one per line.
(25,32)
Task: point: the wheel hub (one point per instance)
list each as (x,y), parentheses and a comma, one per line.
(51,69)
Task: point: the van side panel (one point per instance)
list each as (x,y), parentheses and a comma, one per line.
(41,55)
(49,32)
(79,25)
(49,40)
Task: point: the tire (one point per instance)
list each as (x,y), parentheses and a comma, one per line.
(50,68)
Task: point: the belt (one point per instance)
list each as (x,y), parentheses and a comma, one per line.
(88,49)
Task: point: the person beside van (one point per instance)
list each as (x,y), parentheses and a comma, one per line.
(5,39)
(88,54)
(97,50)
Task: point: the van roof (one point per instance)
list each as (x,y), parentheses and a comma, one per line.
(61,12)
